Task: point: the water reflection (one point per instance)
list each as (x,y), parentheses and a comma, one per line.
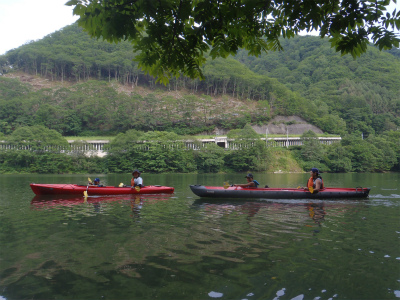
(136,206)
(281,216)
(98,204)
(316,212)
(220,208)
(127,247)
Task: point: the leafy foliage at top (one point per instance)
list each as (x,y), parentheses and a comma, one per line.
(172,36)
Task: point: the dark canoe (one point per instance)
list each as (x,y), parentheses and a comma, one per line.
(75,189)
(278,193)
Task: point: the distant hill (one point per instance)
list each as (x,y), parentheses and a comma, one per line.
(88,86)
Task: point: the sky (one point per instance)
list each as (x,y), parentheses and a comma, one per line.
(22,21)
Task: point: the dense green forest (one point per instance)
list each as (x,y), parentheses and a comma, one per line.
(308,79)
(94,88)
(42,150)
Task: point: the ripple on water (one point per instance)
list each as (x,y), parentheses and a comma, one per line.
(213,294)
(380,196)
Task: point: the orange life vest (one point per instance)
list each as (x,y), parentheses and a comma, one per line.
(310,182)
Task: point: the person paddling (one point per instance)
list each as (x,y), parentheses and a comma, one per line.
(251,183)
(315,182)
(136,179)
(96,182)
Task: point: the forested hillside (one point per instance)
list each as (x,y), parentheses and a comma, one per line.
(104,92)
(364,92)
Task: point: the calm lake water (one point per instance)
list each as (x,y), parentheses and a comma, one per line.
(182,247)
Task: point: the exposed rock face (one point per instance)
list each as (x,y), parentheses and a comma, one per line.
(294,125)
(279,124)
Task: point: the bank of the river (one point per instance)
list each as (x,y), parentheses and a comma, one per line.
(277,160)
(46,151)
(25,162)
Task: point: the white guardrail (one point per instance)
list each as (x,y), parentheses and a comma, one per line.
(96,147)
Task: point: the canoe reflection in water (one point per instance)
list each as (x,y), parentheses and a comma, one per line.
(277,213)
(100,204)
(250,208)
(136,206)
(316,212)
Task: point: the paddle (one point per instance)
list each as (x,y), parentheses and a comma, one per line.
(137,188)
(311,189)
(85,192)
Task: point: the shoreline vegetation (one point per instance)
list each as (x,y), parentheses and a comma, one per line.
(45,151)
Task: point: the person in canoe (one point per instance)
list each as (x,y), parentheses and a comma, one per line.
(315,182)
(136,179)
(251,183)
(96,182)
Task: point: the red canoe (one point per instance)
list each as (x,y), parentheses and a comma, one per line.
(75,189)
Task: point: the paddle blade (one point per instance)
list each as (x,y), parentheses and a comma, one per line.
(226,185)
(311,189)
(121,184)
(137,188)
(90,180)
(85,193)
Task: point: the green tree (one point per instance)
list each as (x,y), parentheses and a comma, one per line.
(247,133)
(173,36)
(338,159)
(125,141)
(312,149)
(365,156)
(387,157)
(209,159)
(332,124)
(394,139)
(38,137)
(250,153)
(153,151)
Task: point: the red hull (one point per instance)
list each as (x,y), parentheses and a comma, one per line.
(75,189)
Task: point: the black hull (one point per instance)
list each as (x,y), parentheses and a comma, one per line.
(278,193)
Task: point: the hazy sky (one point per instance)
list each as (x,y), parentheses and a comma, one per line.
(22,21)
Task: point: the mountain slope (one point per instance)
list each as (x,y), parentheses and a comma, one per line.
(308,79)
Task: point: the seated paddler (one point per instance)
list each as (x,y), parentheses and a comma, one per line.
(96,182)
(315,182)
(136,179)
(251,183)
